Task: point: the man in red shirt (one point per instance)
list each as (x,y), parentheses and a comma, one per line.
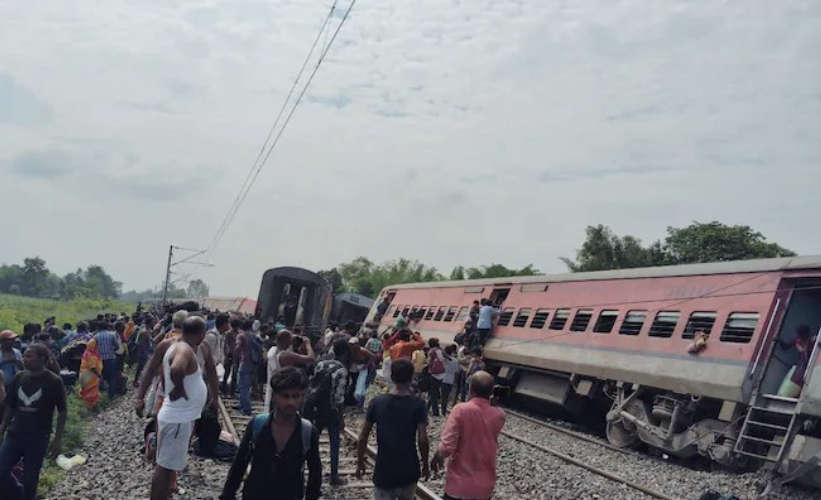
(470,439)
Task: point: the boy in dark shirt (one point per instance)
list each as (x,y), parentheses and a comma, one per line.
(278,445)
(31,400)
(400,419)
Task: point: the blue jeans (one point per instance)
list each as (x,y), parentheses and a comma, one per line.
(32,450)
(246,380)
(111,374)
(333,440)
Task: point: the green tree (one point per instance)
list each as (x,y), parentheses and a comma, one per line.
(100,283)
(197,288)
(334,278)
(499,271)
(458,273)
(35,276)
(362,276)
(714,241)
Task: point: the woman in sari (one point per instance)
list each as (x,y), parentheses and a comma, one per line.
(91,368)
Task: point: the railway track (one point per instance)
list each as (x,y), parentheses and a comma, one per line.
(235,422)
(567,455)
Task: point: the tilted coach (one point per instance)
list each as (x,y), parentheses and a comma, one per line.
(626,339)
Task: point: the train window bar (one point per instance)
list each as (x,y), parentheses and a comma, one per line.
(606,321)
(405,311)
(431,312)
(540,318)
(439,313)
(504,317)
(396,311)
(559,319)
(421,312)
(739,327)
(633,321)
(699,321)
(451,313)
(462,314)
(521,317)
(664,324)
(581,320)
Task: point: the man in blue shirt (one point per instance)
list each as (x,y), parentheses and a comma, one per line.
(487,314)
(108,343)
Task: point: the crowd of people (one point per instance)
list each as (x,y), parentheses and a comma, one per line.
(183,358)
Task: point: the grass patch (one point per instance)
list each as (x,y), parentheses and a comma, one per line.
(16,310)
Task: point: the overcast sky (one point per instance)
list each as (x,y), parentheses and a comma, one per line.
(453,132)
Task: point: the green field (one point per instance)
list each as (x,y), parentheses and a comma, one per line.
(16,311)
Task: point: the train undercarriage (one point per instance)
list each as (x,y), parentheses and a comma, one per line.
(733,435)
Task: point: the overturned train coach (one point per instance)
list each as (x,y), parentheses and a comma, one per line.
(688,359)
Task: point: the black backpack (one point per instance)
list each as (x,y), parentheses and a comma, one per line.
(318,397)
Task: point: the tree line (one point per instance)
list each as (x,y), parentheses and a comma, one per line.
(34,279)
(601,249)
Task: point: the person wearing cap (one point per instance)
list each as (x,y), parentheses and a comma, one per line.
(11,359)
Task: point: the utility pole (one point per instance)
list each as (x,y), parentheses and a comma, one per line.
(167,274)
(187,260)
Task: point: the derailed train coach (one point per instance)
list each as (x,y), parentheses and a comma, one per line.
(297,296)
(689,359)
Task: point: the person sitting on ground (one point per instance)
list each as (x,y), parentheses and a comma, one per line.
(400,419)
(470,439)
(278,445)
(187,395)
(33,396)
(281,356)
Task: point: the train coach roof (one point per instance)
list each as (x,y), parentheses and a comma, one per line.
(730,267)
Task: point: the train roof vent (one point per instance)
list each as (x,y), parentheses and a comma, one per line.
(633,321)
(504,318)
(739,327)
(540,318)
(664,324)
(699,322)
(581,320)
(522,317)
(559,319)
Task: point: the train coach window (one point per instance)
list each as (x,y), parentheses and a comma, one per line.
(699,322)
(581,320)
(739,327)
(633,321)
(396,311)
(504,317)
(440,313)
(607,319)
(664,324)
(430,313)
(451,313)
(405,311)
(462,314)
(421,312)
(522,317)
(559,319)
(540,318)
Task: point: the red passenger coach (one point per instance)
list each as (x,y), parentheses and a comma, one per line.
(690,359)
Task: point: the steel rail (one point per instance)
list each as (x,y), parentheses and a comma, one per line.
(591,468)
(574,434)
(422,491)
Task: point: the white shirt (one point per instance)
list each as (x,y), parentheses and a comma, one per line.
(273,365)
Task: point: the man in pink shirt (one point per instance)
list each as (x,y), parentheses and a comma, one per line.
(470,440)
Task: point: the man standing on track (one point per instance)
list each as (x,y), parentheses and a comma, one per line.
(109,343)
(186,395)
(400,419)
(470,439)
(229,346)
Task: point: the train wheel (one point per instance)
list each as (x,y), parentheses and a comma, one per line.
(622,434)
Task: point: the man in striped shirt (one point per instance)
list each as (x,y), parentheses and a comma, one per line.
(108,343)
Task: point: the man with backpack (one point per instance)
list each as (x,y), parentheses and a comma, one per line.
(278,445)
(326,398)
(249,349)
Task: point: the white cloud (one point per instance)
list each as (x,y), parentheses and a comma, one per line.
(454,132)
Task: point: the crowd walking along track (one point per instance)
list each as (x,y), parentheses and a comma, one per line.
(235,423)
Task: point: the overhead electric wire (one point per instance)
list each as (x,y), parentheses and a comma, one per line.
(256,167)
